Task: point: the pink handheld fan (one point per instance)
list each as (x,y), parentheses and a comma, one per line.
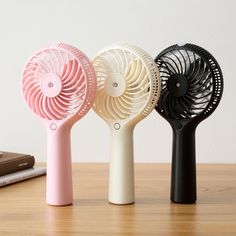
(59,86)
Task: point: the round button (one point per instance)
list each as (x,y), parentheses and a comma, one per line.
(117,126)
(53,126)
(178,125)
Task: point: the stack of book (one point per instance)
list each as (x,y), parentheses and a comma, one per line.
(15,167)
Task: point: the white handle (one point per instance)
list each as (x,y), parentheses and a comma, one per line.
(121,176)
(59,176)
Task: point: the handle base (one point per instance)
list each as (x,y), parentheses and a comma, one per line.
(121,171)
(59,171)
(183,172)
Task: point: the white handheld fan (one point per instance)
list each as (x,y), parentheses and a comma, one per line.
(59,86)
(128,90)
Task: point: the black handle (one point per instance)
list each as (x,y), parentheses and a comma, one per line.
(183,173)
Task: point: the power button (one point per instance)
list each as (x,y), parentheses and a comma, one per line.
(117,126)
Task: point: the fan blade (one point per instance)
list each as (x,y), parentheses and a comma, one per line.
(199,67)
(59,105)
(169,66)
(118,107)
(42,63)
(173,61)
(184,60)
(53,111)
(192,67)
(189,65)
(124,104)
(35,91)
(186,107)
(37,100)
(170,105)
(162,101)
(110,107)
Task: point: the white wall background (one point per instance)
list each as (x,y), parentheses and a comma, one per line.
(26,25)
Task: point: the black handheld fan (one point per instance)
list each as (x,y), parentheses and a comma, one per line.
(192,86)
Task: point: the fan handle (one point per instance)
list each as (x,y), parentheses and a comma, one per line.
(121,172)
(183,173)
(59,176)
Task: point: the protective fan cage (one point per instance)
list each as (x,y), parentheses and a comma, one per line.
(204,82)
(76,78)
(142,89)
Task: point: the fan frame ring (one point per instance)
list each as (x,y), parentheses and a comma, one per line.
(90,83)
(154,81)
(218,83)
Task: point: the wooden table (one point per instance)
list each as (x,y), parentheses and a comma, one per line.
(24,211)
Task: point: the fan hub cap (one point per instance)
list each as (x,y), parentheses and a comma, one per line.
(115,85)
(51,85)
(177,85)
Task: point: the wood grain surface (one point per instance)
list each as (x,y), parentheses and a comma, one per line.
(24,211)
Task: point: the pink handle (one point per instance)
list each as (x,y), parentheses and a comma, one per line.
(59,176)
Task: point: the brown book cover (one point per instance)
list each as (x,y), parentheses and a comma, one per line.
(11,162)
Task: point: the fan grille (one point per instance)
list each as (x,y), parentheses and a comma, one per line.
(125,64)
(192,82)
(58,82)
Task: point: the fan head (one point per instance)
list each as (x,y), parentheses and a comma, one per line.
(192,83)
(59,83)
(128,83)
